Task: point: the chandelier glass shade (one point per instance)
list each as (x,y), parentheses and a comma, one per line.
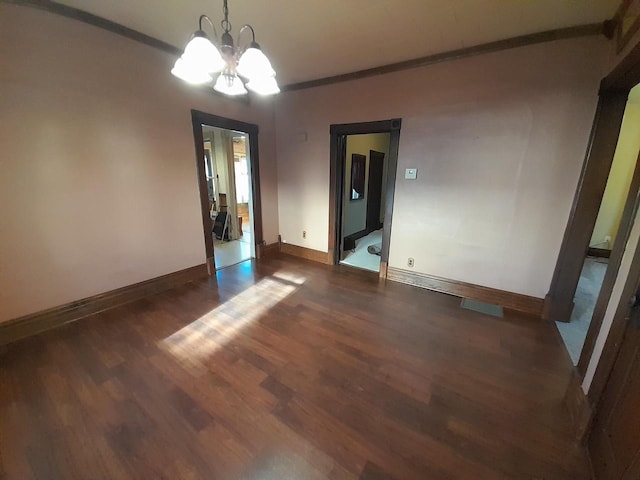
(230,70)
(229,85)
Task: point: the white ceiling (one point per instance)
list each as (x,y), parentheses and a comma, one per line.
(310,39)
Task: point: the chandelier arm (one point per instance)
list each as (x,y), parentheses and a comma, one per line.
(253,36)
(206,17)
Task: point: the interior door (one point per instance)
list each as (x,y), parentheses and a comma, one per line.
(374,189)
(614,442)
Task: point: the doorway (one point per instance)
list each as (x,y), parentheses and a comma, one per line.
(227,165)
(609,366)
(227,161)
(364,159)
(366,166)
(603,254)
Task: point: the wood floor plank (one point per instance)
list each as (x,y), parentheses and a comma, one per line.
(283,368)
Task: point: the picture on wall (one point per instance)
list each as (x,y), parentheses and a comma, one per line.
(358,169)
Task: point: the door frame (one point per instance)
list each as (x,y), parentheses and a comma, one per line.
(198,119)
(337,178)
(558,303)
(613,95)
(607,378)
(611,274)
(616,334)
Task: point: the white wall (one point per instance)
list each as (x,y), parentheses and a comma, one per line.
(498,140)
(98,185)
(355,212)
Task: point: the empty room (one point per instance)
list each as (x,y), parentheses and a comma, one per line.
(364,240)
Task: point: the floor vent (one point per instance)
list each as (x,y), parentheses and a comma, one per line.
(482,307)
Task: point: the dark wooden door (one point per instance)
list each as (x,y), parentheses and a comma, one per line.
(615,439)
(374,197)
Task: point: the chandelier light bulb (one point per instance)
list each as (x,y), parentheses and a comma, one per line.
(190,72)
(230,84)
(200,51)
(254,64)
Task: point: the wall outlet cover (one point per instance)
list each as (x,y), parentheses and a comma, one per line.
(411,173)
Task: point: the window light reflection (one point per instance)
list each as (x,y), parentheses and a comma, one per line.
(207,334)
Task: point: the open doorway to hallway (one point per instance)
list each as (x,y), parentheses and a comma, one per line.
(227,161)
(366,168)
(363,164)
(227,164)
(613,223)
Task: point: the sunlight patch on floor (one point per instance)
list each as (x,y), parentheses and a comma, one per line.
(203,337)
(290,277)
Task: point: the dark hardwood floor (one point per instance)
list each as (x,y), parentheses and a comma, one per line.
(286,369)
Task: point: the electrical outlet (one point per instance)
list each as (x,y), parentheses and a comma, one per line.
(410,262)
(304,234)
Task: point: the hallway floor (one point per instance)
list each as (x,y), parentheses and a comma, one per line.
(287,369)
(361,257)
(228,253)
(574,333)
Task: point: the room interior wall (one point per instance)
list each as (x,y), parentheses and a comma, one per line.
(355,212)
(617,189)
(498,141)
(98,182)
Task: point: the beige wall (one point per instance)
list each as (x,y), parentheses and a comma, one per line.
(355,212)
(98,184)
(615,194)
(498,140)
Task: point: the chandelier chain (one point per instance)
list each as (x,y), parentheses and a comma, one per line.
(226,25)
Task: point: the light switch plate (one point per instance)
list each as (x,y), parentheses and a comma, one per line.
(411,173)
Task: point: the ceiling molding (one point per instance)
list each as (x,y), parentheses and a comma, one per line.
(514,42)
(96,21)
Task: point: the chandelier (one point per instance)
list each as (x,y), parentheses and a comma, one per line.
(233,69)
